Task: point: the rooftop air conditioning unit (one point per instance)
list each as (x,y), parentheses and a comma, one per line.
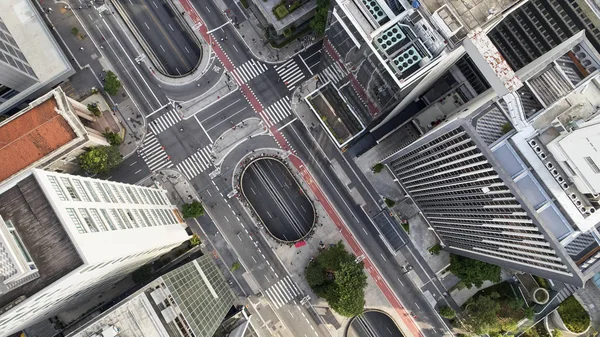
(549,165)
(532,142)
(564,186)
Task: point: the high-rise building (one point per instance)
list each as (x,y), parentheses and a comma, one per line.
(65,237)
(508,177)
(191,300)
(30,59)
(50,133)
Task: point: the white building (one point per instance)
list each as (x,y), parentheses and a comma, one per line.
(64,236)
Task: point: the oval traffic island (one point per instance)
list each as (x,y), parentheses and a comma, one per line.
(373,323)
(277,199)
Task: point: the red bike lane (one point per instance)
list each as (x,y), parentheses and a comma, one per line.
(306,175)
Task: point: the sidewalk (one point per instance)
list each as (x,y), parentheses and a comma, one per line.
(224,86)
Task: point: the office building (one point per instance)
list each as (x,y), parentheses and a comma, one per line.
(508,177)
(191,300)
(31,62)
(64,237)
(50,133)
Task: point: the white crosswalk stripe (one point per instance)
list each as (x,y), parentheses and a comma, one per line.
(282,292)
(164,122)
(290,73)
(196,163)
(153,153)
(333,73)
(248,71)
(278,111)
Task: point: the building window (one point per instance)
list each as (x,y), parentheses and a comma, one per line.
(19,243)
(108,220)
(76,221)
(101,191)
(132,219)
(92,191)
(131,195)
(138,219)
(56,186)
(109,192)
(125,195)
(88,220)
(118,219)
(98,220)
(82,193)
(125,218)
(70,189)
(140,192)
(592,165)
(156,218)
(148,217)
(116,192)
(150,197)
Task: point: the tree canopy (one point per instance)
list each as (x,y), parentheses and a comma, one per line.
(335,276)
(473,272)
(111,83)
(192,210)
(319,21)
(100,159)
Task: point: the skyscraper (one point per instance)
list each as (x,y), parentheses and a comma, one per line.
(65,237)
(191,300)
(30,59)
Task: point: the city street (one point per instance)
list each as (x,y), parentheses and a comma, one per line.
(186,145)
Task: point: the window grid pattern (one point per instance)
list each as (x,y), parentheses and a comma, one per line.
(80,190)
(98,220)
(75,218)
(56,186)
(70,189)
(468,204)
(90,188)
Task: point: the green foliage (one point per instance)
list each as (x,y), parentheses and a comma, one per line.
(389,202)
(334,276)
(506,128)
(111,83)
(319,21)
(100,159)
(573,315)
(406,227)
(113,138)
(447,312)
(542,282)
(193,209)
(556,333)
(480,314)
(280,11)
(194,240)
(378,167)
(74,31)
(537,330)
(235,266)
(289,31)
(245,3)
(436,249)
(473,272)
(93,108)
(143,274)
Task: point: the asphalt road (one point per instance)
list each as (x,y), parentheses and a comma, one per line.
(373,324)
(176,50)
(277,199)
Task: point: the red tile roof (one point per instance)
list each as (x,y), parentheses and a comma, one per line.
(31,136)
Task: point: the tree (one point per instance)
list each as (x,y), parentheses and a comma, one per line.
(235,266)
(319,21)
(480,314)
(447,312)
(113,138)
(93,108)
(473,272)
(574,315)
(74,31)
(389,202)
(100,159)
(314,275)
(143,274)
(194,240)
(350,281)
(378,167)
(192,210)
(111,83)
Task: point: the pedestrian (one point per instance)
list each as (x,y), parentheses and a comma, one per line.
(81,48)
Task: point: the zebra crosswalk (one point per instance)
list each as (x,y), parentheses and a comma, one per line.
(282,292)
(164,122)
(333,73)
(247,71)
(196,163)
(154,154)
(290,73)
(277,111)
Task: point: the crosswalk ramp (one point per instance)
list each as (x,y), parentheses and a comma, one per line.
(282,292)
(154,154)
(164,122)
(197,163)
(333,73)
(248,71)
(290,73)
(278,111)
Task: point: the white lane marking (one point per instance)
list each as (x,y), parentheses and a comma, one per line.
(417,306)
(383,257)
(402,284)
(207,9)
(147,25)
(228,220)
(234,47)
(133,163)
(161,47)
(155,4)
(184,47)
(365,230)
(254,259)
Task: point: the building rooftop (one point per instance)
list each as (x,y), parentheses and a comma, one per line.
(31,136)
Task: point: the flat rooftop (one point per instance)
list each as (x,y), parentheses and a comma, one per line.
(30,136)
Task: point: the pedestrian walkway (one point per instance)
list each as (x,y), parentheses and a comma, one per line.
(154,154)
(333,73)
(248,70)
(196,163)
(164,122)
(278,111)
(282,292)
(290,73)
